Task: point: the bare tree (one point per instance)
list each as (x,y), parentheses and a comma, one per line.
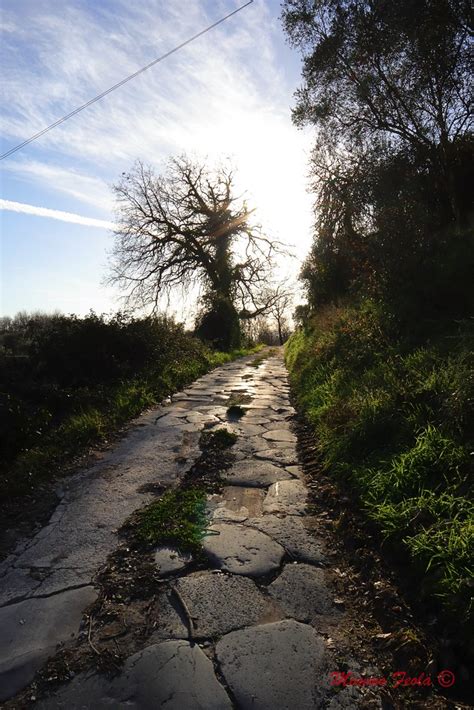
(187,228)
(281,298)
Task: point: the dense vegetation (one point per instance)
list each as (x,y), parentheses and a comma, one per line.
(394,423)
(68,382)
(382,361)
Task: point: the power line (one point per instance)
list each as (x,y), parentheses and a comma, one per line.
(121,83)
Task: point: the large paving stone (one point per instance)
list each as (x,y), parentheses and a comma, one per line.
(242,550)
(256,473)
(280,435)
(172,675)
(235,503)
(288,497)
(284,457)
(169,560)
(274,666)
(16,584)
(31,630)
(293,534)
(219,603)
(302,592)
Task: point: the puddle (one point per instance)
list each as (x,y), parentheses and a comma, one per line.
(247,502)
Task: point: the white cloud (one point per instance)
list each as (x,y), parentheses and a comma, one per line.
(12,206)
(227,94)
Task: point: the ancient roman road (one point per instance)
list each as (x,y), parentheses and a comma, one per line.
(258,610)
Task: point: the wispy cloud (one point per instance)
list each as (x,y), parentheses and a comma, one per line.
(12,206)
(226,95)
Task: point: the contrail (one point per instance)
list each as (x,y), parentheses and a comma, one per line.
(55,214)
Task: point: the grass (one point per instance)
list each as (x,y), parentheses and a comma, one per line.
(235,411)
(218,439)
(394,420)
(177,519)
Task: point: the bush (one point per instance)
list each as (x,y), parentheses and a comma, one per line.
(66,383)
(219,324)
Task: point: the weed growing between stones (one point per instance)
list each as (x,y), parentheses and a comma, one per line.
(235,412)
(178,518)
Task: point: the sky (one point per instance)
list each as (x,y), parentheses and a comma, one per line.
(227,95)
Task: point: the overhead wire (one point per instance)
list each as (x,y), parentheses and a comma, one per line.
(121,83)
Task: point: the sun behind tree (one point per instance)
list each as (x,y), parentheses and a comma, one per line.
(186,228)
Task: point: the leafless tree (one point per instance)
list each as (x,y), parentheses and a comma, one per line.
(281,298)
(186,228)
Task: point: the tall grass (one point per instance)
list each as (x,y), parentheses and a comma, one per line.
(394,420)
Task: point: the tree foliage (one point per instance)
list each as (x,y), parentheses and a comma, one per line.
(387,86)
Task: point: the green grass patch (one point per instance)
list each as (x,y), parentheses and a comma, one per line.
(217,439)
(394,420)
(177,519)
(235,411)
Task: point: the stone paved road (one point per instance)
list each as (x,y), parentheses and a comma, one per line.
(256,609)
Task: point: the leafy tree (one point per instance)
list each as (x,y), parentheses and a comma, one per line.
(387,85)
(396,71)
(187,228)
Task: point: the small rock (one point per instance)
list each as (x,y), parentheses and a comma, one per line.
(169,560)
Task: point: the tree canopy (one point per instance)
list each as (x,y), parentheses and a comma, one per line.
(387,86)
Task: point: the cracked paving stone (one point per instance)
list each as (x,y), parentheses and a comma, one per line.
(172,675)
(242,550)
(255,473)
(219,603)
(31,631)
(280,435)
(302,592)
(169,560)
(235,502)
(16,584)
(278,666)
(285,457)
(168,621)
(293,534)
(288,497)
(59,579)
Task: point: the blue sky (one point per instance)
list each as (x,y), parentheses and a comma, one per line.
(229,94)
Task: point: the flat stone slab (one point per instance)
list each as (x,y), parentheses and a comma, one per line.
(219,603)
(285,457)
(236,503)
(274,666)
(302,592)
(296,471)
(242,550)
(293,534)
(31,630)
(169,560)
(172,675)
(256,473)
(279,435)
(288,497)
